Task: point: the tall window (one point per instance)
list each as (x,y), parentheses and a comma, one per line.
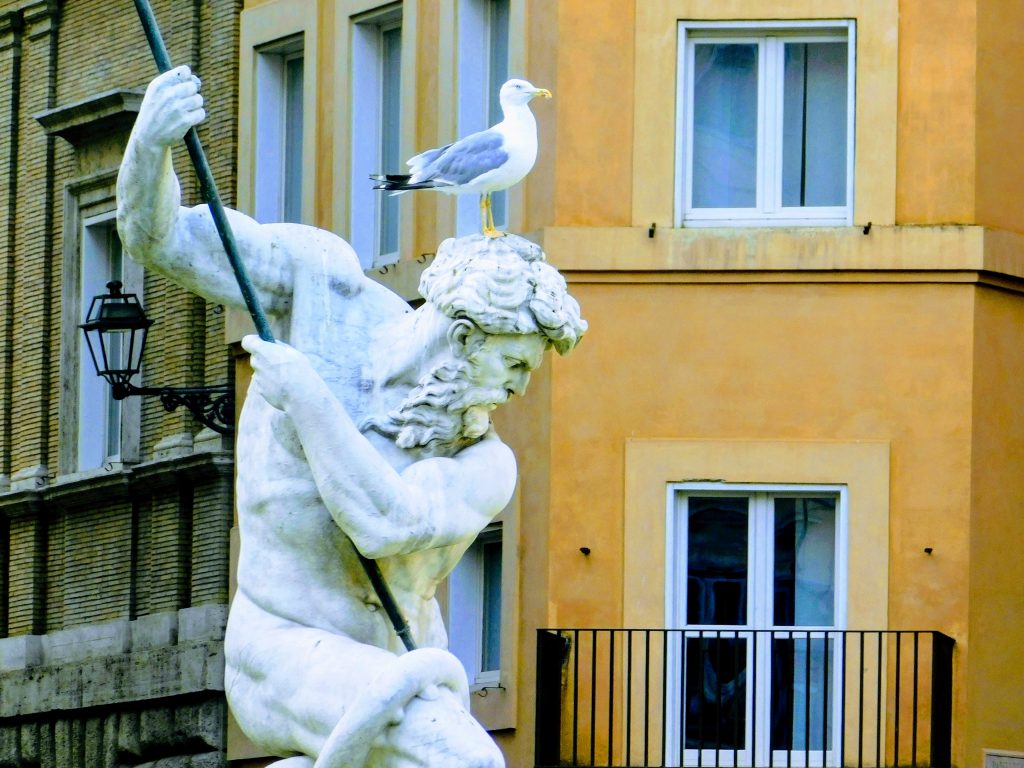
(757,581)
(483,68)
(474,609)
(376,133)
(279,128)
(99,415)
(765,123)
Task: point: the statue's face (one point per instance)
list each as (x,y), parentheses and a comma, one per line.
(504,362)
(450,406)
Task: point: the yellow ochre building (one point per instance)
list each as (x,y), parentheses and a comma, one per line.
(782,475)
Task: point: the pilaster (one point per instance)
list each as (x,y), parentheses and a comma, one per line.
(33,252)
(10,72)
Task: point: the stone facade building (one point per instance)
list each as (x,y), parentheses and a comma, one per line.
(114,518)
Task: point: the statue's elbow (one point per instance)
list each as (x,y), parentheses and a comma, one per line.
(374,546)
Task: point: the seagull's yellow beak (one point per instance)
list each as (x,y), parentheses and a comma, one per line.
(542,92)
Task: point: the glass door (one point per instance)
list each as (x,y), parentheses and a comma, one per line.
(754,590)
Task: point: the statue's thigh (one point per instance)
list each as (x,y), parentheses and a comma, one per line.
(289,687)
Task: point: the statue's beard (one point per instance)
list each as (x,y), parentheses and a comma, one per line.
(444,413)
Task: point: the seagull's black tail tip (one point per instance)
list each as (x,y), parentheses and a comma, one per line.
(393,182)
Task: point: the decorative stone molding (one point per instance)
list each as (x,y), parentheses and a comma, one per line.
(96,116)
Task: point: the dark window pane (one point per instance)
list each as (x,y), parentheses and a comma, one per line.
(725,125)
(491,635)
(293,140)
(715,697)
(717,575)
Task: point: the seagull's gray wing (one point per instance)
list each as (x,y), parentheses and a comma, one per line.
(468,158)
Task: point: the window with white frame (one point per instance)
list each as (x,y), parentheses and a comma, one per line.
(474,609)
(279,128)
(376,133)
(765,123)
(99,414)
(757,581)
(483,68)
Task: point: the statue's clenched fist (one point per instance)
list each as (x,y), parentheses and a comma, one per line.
(171,106)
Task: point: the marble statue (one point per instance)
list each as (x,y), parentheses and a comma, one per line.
(369,429)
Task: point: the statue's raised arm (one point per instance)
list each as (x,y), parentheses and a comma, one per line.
(182,243)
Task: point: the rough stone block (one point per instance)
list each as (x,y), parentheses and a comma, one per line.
(157,631)
(112,637)
(202,720)
(156,729)
(20,652)
(203,622)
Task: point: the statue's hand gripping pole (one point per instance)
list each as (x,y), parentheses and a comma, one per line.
(208,190)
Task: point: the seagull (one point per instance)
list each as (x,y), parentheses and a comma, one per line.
(483,162)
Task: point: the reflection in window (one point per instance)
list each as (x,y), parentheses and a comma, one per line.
(279,128)
(99,414)
(717,561)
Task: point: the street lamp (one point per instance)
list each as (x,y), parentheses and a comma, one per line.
(115,330)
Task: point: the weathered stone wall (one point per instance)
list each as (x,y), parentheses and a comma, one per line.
(113,582)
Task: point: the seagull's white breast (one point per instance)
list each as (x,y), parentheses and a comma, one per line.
(519,140)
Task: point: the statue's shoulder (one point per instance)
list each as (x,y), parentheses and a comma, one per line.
(319,251)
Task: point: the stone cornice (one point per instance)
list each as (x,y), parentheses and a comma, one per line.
(72,492)
(93,117)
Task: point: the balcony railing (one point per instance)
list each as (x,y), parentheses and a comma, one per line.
(617,698)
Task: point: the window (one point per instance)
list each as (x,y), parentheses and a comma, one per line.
(279,129)
(483,68)
(376,134)
(765,123)
(99,414)
(756,581)
(474,609)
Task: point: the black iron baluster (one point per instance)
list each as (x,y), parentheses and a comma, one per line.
(860,716)
(808,650)
(647,696)
(913,733)
(628,680)
(790,745)
(576,698)
(700,721)
(896,726)
(842,703)
(824,703)
(593,692)
(664,696)
(611,696)
(755,635)
(879,723)
(718,697)
(736,720)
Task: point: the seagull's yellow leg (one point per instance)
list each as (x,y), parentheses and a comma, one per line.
(483,213)
(488,226)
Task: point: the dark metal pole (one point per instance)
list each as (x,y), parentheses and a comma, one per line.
(208,190)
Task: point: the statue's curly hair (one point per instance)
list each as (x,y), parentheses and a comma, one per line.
(503,285)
